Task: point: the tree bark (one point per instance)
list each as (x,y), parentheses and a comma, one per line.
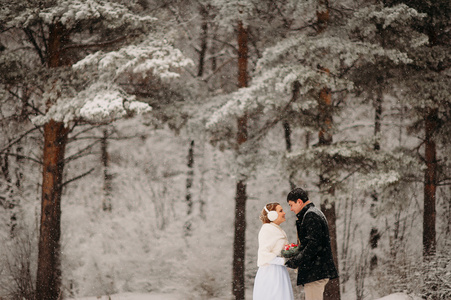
(189,185)
(190,178)
(48,279)
(203,40)
(332,291)
(431,124)
(287,129)
(239,242)
(374,233)
(49,274)
(107,177)
(430,183)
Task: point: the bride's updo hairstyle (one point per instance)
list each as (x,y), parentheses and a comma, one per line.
(264,214)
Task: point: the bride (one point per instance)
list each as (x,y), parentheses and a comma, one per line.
(272,280)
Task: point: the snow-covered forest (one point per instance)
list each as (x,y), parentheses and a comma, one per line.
(140,140)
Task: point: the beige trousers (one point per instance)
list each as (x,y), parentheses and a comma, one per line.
(315,290)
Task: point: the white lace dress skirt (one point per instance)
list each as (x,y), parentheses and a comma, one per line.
(272,282)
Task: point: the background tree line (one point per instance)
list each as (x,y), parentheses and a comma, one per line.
(349,99)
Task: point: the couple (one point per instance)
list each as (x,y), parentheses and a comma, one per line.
(314,260)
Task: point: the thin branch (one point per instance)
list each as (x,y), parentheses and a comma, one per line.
(99,45)
(74,137)
(25,102)
(18,139)
(206,79)
(80,153)
(270,124)
(77,177)
(24,156)
(182,23)
(113,138)
(32,40)
(287,23)
(226,43)
(44,40)
(312,24)
(444,182)
(349,175)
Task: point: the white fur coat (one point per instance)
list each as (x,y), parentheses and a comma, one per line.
(271,240)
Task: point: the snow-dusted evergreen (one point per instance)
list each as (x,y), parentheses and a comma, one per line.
(129,70)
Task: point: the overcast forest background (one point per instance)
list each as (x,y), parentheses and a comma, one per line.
(140,140)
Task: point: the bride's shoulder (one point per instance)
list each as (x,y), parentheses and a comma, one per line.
(268,227)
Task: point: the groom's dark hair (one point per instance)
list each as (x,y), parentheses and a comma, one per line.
(297,193)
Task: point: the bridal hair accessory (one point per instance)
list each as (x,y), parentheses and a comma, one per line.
(272,215)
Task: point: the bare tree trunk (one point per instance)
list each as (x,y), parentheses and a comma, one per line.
(49,273)
(287,129)
(200,72)
(431,124)
(332,291)
(239,243)
(430,183)
(48,279)
(374,233)
(189,185)
(107,177)
(190,178)
(9,202)
(203,41)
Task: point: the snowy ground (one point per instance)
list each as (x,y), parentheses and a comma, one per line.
(132,296)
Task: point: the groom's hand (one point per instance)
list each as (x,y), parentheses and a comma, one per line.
(291,264)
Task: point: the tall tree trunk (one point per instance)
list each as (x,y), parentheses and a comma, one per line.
(189,185)
(287,131)
(49,273)
(431,124)
(332,291)
(287,128)
(48,279)
(374,233)
(9,202)
(107,177)
(203,40)
(430,183)
(239,242)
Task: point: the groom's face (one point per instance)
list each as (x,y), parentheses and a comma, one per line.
(296,206)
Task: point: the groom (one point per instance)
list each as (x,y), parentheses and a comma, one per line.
(314,262)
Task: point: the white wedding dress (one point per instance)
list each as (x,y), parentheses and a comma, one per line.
(272,281)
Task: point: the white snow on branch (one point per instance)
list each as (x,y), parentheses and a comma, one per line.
(155,56)
(98,103)
(71,12)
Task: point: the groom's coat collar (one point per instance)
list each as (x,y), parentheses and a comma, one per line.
(301,214)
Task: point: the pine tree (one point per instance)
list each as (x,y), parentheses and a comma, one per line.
(56,32)
(430,98)
(296,59)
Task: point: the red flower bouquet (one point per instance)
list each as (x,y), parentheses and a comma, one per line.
(290,250)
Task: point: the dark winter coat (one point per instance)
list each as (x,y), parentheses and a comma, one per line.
(314,261)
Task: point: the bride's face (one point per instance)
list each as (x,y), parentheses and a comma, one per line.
(281,218)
